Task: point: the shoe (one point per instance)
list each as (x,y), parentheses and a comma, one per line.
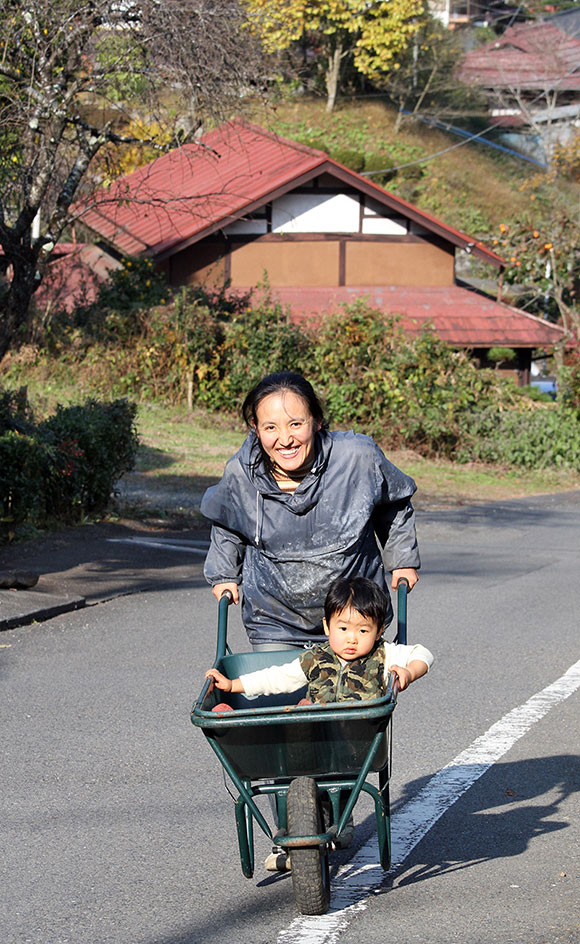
(278,860)
(344,840)
(347,835)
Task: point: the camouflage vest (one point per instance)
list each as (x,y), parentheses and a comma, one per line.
(329,680)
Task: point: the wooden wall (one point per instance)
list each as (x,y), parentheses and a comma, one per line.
(315,259)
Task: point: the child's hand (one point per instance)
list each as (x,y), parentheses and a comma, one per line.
(404,676)
(221,682)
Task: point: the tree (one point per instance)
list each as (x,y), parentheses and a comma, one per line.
(544,268)
(423,77)
(72,73)
(372,33)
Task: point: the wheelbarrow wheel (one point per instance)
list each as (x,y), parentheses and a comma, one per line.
(310,876)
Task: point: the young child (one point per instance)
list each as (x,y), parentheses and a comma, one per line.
(353,664)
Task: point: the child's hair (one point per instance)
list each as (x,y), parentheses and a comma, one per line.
(278,383)
(360,593)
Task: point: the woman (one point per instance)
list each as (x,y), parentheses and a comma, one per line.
(298,506)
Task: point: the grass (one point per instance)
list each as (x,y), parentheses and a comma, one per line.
(182,452)
(451,185)
(180,446)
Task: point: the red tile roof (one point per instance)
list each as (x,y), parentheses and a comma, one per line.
(527,56)
(462,317)
(199,188)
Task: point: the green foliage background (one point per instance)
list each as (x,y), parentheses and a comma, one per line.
(65,467)
(211,348)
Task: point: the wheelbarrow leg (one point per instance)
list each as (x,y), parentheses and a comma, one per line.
(245,828)
(383,814)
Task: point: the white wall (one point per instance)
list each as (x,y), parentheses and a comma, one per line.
(315,213)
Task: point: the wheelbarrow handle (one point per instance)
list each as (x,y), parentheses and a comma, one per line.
(222,641)
(402,591)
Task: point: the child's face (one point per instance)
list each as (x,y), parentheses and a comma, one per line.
(350,634)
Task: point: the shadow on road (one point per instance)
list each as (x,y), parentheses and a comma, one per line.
(499,817)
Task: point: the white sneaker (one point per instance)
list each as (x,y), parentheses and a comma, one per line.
(278,860)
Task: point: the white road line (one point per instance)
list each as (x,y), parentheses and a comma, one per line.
(360,878)
(146,542)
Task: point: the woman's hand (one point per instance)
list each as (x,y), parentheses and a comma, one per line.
(219,589)
(221,682)
(409,573)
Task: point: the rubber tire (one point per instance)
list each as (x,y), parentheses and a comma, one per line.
(310,876)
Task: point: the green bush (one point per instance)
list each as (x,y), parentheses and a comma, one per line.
(349,157)
(380,162)
(66,466)
(412,391)
(545,438)
(15,411)
(259,340)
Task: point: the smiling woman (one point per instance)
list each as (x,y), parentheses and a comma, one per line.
(299,506)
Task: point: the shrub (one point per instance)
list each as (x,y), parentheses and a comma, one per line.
(545,438)
(380,162)
(15,411)
(257,341)
(28,468)
(96,443)
(349,157)
(66,466)
(411,391)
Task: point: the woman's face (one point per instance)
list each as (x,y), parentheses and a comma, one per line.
(286,429)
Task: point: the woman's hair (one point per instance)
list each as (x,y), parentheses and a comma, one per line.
(360,593)
(278,383)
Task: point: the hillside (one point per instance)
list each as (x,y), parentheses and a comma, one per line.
(469,186)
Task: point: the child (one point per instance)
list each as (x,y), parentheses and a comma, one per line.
(353,664)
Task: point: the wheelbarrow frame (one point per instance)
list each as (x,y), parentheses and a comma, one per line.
(263,748)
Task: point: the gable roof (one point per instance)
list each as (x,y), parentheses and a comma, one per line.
(459,316)
(199,188)
(528,56)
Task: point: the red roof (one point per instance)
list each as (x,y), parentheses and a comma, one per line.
(459,316)
(527,56)
(73,275)
(199,188)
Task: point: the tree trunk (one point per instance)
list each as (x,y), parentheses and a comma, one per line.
(333,76)
(16,302)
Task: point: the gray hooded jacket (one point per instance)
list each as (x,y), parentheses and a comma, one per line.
(350,516)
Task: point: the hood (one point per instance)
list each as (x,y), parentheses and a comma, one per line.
(254,466)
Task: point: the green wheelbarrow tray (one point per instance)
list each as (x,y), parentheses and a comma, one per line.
(267,742)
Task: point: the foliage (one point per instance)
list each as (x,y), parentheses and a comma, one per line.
(543,439)
(135,285)
(544,265)
(569,382)
(373,35)
(66,466)
(407,391)
(566,158)
(260,335)
(379,167)
(412,390)
(501,355)
(350,158)
(423,78)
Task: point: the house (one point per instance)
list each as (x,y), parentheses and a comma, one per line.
(531,76)
(456,14)
(244,203)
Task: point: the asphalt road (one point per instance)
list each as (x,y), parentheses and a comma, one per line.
(117,826)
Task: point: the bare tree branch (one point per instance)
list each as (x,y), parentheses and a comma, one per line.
(73,74)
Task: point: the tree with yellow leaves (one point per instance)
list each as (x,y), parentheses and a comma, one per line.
(372,33)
